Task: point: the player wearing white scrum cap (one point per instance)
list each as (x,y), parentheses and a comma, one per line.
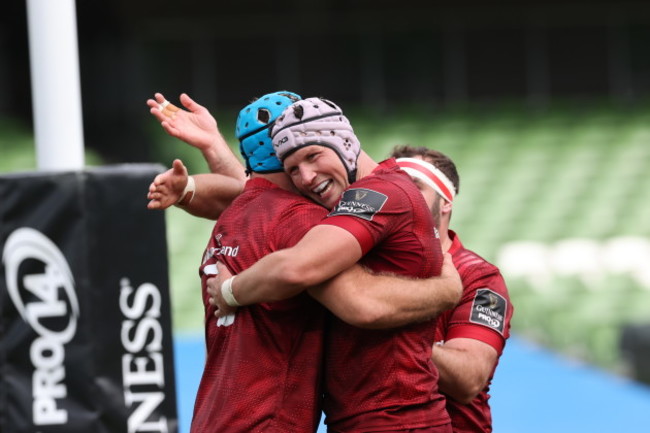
(374,380)
(317,121)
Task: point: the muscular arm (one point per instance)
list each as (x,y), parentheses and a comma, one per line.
(198,128)
(213,192)
(385,301)
(465,366)
(322,253)
(356,296)
(213,195)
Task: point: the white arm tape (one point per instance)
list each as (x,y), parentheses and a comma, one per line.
(190,186)
(226,292)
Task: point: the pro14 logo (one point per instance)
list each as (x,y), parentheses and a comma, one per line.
(41,286)
(489,309)
(360,202)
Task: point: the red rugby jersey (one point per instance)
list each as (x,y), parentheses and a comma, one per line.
(379,380)
(484,314)
(263,368)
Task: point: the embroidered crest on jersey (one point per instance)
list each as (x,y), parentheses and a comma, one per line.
(489,309)
(360,202)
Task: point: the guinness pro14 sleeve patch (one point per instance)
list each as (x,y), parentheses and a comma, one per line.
(360,202)
(489,309)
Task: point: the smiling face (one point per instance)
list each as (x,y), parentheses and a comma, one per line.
(318,173)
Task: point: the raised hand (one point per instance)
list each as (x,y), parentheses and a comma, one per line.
(167,187)
(198,128)
(195,126)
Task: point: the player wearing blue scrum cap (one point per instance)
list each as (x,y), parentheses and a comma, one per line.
(253,130)
(259,376)
(246,385)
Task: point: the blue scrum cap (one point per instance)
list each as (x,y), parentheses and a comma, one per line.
(253,130)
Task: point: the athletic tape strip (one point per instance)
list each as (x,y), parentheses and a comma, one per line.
(430,175)
(190,188)
(226,292)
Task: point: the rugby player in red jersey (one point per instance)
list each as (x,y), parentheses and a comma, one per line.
(263,364)
(471,337)
(374,380)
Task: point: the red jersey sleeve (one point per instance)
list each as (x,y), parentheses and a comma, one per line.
(366,214)
(484,311)
(386,209)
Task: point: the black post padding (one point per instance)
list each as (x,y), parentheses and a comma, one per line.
(635,350)
(85,325)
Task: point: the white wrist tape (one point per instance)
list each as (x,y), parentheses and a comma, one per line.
(190,187)
(226,292)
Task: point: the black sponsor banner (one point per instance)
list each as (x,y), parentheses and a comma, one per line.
(85,326)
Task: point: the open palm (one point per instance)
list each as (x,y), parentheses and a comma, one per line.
(195,125)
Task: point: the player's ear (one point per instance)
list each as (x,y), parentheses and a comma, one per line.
(445,206)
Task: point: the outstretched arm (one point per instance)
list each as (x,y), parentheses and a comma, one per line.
(211,193)
(372,301)
(197,127)
(323,253)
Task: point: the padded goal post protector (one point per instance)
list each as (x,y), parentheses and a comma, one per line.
(85,324)
(635,350)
